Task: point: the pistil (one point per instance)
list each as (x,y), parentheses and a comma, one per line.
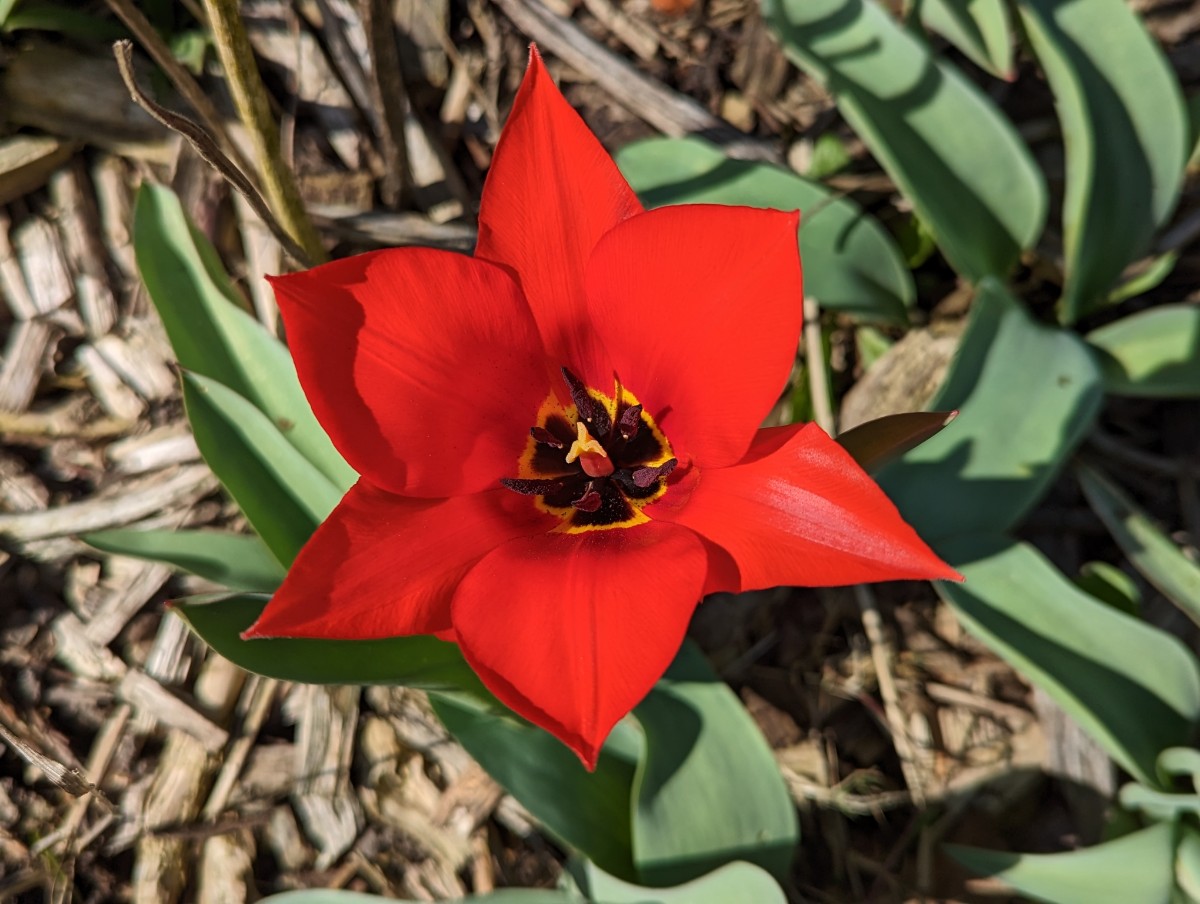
(590,454)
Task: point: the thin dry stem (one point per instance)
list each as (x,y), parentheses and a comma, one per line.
(150,41)
(208,150)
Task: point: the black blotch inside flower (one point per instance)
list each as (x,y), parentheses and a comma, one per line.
(617,461)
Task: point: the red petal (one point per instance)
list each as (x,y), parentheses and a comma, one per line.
(572,630)
(550,194)
(801,512)
(383,565)
(700,308)
(424,366)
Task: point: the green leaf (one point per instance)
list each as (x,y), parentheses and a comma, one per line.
(1125,132)
(1027,394)
(1187,862)
(917,243)
(6,9)
(282,494)
(979,28)
(1137,867)
(590,812)
(1111,585)
(1150,550)
(37,15)
(214,337)
(420,662)
(500,896)
(1180,761)
(1160,806)
(709,790)
(871,345)
(1155,353)
(850,262)
(737,881)
(877,442)
(1134,688)
(190,48)
(829,157)
(1193,108)
(734,882)
(236,561)
(949,149)
(1150,277)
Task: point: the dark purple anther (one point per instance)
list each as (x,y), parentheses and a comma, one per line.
(546,438)
(593,413)
(590,500)
(631,418)
(644,477)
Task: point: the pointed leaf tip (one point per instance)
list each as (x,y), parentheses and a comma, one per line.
(874,443)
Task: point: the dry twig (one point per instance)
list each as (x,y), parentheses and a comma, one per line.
(208,150)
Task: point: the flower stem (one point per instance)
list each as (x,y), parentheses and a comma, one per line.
(254,109)
(814,353)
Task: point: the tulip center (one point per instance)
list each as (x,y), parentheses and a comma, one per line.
(595,463)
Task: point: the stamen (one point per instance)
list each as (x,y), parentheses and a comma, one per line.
(590,500)
(644,477)
(631,419)
(591,411)
(533,486)
(545,437)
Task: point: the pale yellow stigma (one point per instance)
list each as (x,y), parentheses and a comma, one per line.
(590,454)
(584,443)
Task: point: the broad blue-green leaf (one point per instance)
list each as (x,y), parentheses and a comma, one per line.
(949,149)
(709,790)
(590,812)
(1135,868)
(214,337)
(236,561)
(1154,353)
(282,494)
(733,882)
(500,896)
(979,28)
(1150,550)
(421,662)
(1134,688)
(850,262)
(736,882)
(1027,394)
(1125,131)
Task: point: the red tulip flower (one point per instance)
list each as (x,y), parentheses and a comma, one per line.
(558,437)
